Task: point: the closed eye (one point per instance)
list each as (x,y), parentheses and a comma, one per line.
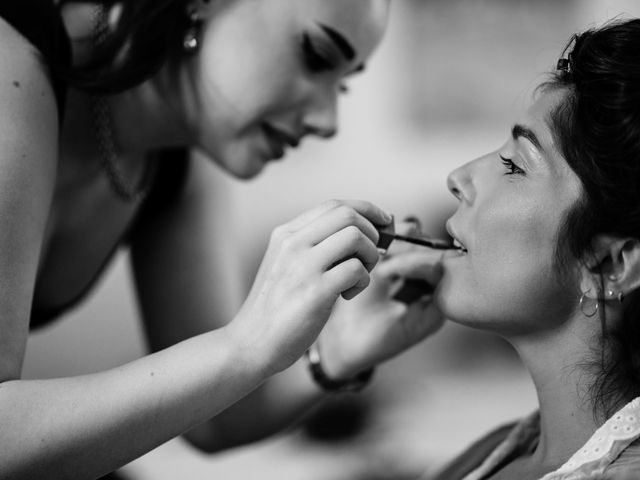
(512,168)
(316,61)
(319,62)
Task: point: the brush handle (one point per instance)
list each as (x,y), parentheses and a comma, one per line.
(386,238)
(435,243)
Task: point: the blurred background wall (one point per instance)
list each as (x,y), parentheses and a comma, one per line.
(443,88)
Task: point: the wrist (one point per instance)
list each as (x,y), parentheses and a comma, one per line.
(246,352)
(334,363)
(326,382)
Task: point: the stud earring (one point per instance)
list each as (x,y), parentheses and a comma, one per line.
(191,42)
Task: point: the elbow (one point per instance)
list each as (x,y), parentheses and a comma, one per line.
(205,440)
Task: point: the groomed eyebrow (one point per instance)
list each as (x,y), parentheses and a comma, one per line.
(338,39)
(519,131)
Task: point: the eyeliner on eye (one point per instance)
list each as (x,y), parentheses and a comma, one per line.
(315,61)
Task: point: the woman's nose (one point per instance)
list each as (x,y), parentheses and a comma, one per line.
(321,117)
(459,182)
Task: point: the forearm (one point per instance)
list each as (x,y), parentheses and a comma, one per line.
(83,427)
(280,402)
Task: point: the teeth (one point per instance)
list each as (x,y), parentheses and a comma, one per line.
(458,245)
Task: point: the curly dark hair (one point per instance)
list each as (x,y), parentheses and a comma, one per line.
(597,129)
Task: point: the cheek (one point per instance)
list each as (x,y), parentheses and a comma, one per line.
(514,239)
(243,84)
(509,274)
(231,103)
(249,88)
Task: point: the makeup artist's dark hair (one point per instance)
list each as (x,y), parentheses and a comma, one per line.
(597,129)
(147,36)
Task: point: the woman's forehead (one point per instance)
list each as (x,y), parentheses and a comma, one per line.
(538,119)
(539,114)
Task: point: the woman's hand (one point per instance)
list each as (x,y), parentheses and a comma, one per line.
(374,327)
(310,262)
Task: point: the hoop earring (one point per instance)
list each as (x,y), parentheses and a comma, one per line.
(191,42)
(620,297)
(582,304)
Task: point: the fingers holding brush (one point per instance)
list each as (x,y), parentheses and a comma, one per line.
(415,270)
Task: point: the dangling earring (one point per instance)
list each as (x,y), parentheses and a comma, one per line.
(582,304)
(191,42)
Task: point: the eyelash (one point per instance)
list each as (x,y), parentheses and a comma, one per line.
(315,62)
(513,169)
(318,63)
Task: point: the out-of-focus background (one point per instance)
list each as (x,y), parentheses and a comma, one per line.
(447,81)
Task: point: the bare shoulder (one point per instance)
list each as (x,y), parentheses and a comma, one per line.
(28,162)
(25,87)
(29,120)
(28,128)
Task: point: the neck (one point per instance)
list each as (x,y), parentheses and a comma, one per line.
(146,119)
(554,361)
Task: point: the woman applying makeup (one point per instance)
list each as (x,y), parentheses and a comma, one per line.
(549,233)
(101,103)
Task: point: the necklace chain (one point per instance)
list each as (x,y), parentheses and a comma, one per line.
(126,191)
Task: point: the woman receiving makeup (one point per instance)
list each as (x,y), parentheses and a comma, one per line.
(548,236)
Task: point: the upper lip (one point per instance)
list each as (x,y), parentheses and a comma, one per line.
(455,237)
(282,135)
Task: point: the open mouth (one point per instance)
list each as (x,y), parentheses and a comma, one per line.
(459,246)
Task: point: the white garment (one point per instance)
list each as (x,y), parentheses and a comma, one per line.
(588,463)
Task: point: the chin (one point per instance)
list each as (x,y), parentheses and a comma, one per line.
(454,307)
(447,309)
(246,175)
(241,165)
(249,169)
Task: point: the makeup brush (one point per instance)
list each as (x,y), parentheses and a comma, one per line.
(435,243)
(388,235)
(411,289)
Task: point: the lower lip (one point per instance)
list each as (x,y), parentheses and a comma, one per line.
(276,148)
(454,253)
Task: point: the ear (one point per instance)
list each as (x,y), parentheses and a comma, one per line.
(614,265)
